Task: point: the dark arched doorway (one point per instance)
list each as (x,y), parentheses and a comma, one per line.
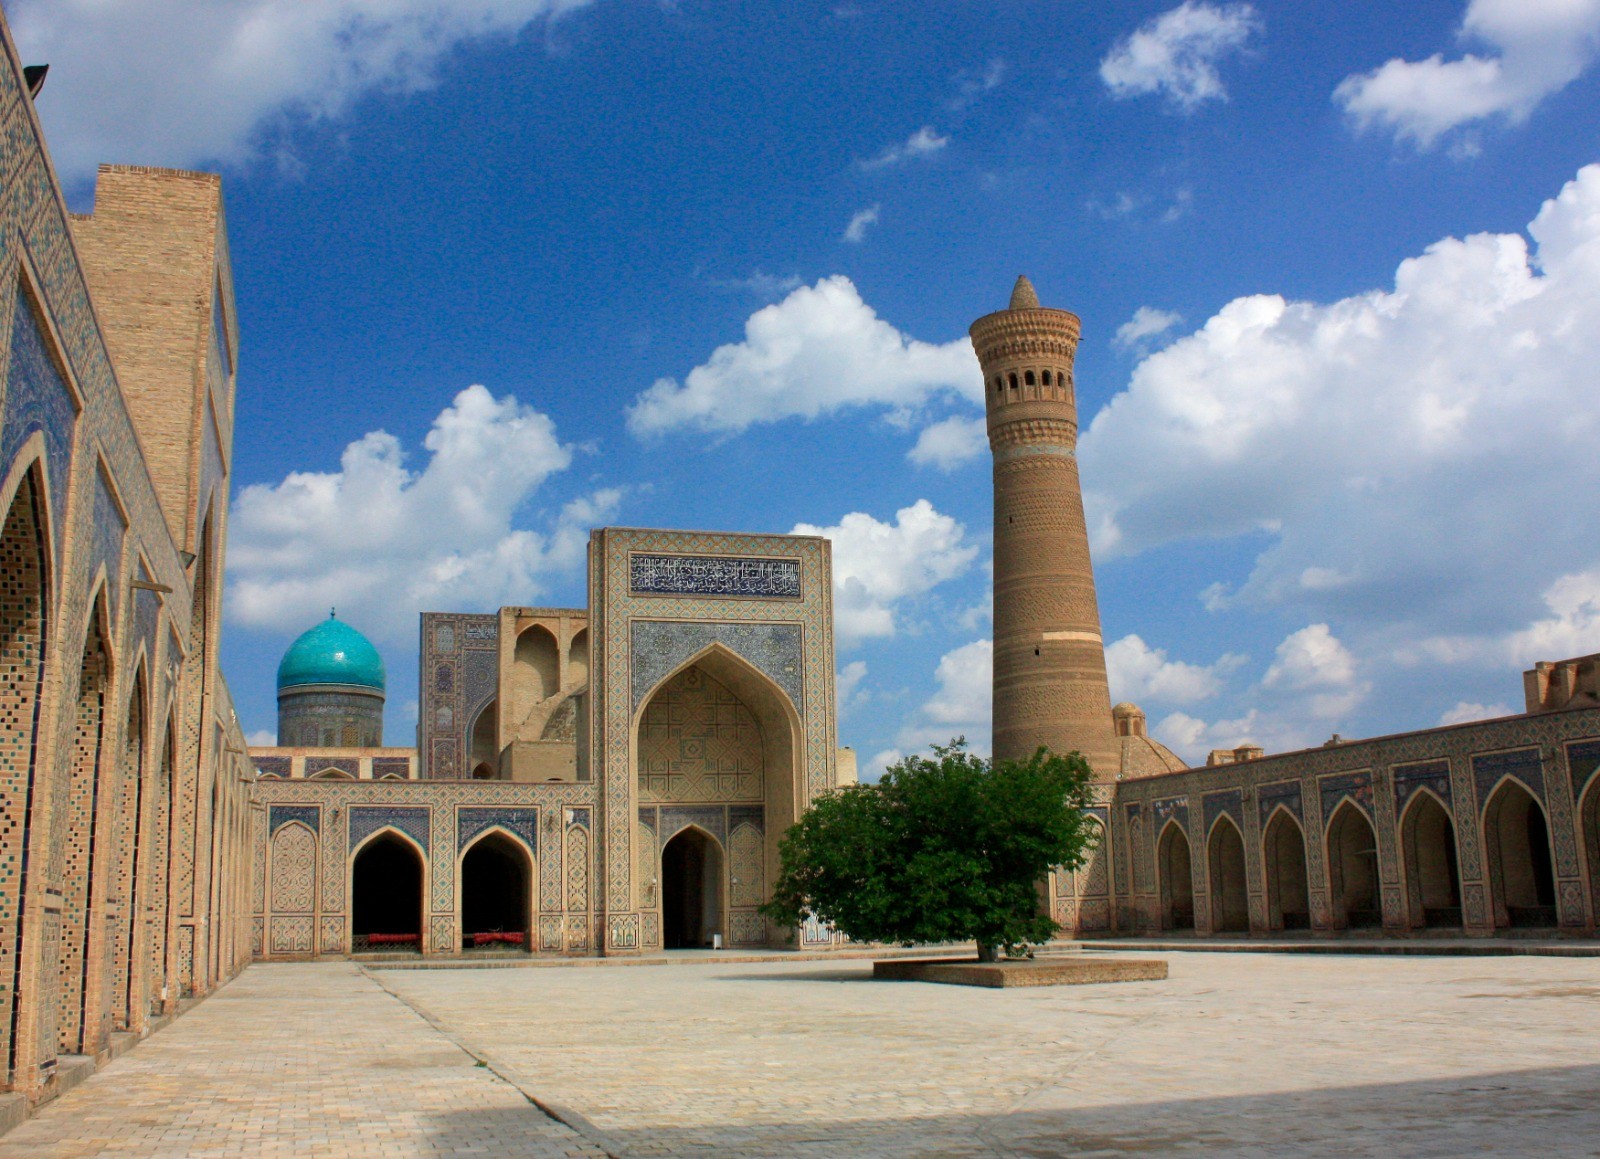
(1353,869)
(1177,879)
(1288,898)
(494,894)
(1230,896)
(1433,885)
(386,895)
(1518,842)
(691,891)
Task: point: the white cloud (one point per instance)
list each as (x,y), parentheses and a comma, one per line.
(877,565)
(381,537)
(1313,657)
(1141,673)
(820,350)
(263,738)
(759,283)
(192,82)
(1571,629)
(1176,53)
(923,143)
(860,221)
(971,84)
(1466,711)
(1419,460)
(1539,47)
(1147,322)
(961,705)
(950,443)
(847,685)
(966,686)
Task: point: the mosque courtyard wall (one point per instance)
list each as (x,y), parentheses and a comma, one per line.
(125,814)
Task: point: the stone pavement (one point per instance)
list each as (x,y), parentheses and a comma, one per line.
(1236,1054)
(310,1059)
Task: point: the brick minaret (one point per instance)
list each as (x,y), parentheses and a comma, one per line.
(1049,659)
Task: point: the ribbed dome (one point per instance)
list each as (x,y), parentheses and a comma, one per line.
(331,653)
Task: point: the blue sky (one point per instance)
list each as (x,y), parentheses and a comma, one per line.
(712,265)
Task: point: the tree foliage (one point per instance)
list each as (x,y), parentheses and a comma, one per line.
(941,849)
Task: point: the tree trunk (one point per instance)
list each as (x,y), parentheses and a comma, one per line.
(985,952)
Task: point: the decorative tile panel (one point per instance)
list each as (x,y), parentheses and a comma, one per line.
(1356,786)
(1434,775)
(1583,760)
(775,649)
(706,575)
(365,820)
(1229,801)
(308,815)
(676,818)
(37,399)
(472,821)
(1523,764)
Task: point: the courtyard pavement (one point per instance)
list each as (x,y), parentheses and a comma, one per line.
(1235,1054)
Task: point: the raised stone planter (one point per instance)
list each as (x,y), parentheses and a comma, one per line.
(1073,971)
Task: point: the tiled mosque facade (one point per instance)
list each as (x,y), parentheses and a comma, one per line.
(612,779)
(125,811)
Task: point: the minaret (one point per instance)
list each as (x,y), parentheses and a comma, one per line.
(1049,659)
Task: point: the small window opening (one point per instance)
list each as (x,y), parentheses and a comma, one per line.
(1046,377)
(1028,378)
(1013,382)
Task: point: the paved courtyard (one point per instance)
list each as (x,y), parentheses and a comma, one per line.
(1233,1054)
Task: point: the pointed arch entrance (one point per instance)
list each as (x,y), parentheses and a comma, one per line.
(716,746)
(1517,841)
(386,894)
(1433,883)
(496,877)
(1284,857)
(1175,869)
(1353,869)
(1230,894)
(22,668)
(691,891)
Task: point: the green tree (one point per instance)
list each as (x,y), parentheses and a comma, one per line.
(941,849)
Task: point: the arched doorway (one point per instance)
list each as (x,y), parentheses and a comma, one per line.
(1517,840)
(718,738)
(22,663)
(1353,869)
(1093,881)
(1284,855)
(691,891)
(1176,869)
(386,895)
(485,754)
(1230,895)
(494,894)
(1433,884)
(130,844)
(79,1027)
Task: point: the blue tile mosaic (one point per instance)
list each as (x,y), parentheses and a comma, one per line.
(280,815)
(37,399)
(660,646)
(710,575)
(524,823)
(1230,802)
(1583,760)
(1356,786)
(1523,764)
(1285,793)
(1434,775)
(365,820)
(676,818)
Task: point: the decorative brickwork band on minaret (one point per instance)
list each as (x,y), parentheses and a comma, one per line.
(1049,659)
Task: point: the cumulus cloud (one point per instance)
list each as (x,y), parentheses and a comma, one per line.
(1420,460)
(860,221)
(760,283)
(878,565)
(950,443)
(197,82)
(961,705)
(1571,628)
(1147,323)
(1176,53)
(378,535)
(819,351)
(847,685)
(923,143)
(1536,48)
(1141,673)
(1466,711)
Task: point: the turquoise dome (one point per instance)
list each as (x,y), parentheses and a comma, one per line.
(331,653)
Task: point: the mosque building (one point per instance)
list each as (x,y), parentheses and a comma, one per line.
(612,779)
